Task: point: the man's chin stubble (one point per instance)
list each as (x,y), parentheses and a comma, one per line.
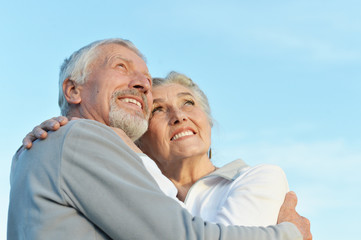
(132,124)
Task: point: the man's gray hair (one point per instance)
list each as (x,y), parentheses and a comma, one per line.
(77,66)
(181,79)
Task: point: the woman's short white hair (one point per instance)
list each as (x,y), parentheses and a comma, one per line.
(181,79)
(76,67)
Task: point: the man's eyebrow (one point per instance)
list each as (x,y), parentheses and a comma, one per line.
(130,62)
(115,57)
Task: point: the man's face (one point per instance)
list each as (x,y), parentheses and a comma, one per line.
(117,92)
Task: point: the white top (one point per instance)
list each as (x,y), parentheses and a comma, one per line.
(237,194)
(163,182)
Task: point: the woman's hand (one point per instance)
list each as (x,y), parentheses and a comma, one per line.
(40,132)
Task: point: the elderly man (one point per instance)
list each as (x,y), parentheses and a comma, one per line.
(87,180)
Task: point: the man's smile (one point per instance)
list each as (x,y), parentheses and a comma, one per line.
(132,100)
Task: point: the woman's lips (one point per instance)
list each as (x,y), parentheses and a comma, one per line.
(182,134)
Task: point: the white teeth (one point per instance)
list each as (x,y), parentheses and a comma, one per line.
(182,134)
(131,100)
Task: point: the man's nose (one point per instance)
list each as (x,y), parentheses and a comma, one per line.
(141,82)
(177,116)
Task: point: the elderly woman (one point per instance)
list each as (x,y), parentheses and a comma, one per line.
(179,139)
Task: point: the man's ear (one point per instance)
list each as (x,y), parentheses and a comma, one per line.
(71,91)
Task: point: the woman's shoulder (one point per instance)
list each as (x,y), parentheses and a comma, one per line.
(267,168)
(239,168)
(267,174)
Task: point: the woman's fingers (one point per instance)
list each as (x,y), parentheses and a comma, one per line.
(62,120)
(40,132)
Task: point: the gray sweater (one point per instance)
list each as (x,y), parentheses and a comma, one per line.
(84,182)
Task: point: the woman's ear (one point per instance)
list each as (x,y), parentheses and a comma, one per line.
(71,91)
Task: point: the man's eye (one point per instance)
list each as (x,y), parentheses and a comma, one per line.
(122,65)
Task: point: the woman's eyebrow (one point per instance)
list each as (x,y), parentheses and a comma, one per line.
(181,94)
(158,100)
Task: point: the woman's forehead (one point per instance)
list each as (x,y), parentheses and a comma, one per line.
(171,90)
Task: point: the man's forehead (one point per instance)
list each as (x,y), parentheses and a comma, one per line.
(112,51)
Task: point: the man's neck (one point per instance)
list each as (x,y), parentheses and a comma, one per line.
(127,140)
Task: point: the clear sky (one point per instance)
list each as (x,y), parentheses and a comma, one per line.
(283,79)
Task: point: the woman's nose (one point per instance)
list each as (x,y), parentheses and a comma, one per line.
(177,116)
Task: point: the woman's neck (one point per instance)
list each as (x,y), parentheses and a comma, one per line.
(185,172)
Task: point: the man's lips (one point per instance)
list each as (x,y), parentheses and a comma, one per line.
(182,133)
(132,100)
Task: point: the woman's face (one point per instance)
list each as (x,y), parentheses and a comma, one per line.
(178,127)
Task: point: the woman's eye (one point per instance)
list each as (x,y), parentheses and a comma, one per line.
(189,102)
(157,109)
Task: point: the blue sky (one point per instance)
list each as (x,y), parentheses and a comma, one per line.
(283,79)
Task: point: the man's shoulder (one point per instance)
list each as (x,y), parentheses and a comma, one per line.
(84,128)
(85,123)
(88,132)
(93,135)
(76,130)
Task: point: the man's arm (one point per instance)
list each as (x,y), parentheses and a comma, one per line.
(288,214)
(106,181)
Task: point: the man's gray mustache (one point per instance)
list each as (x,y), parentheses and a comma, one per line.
(128,92)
